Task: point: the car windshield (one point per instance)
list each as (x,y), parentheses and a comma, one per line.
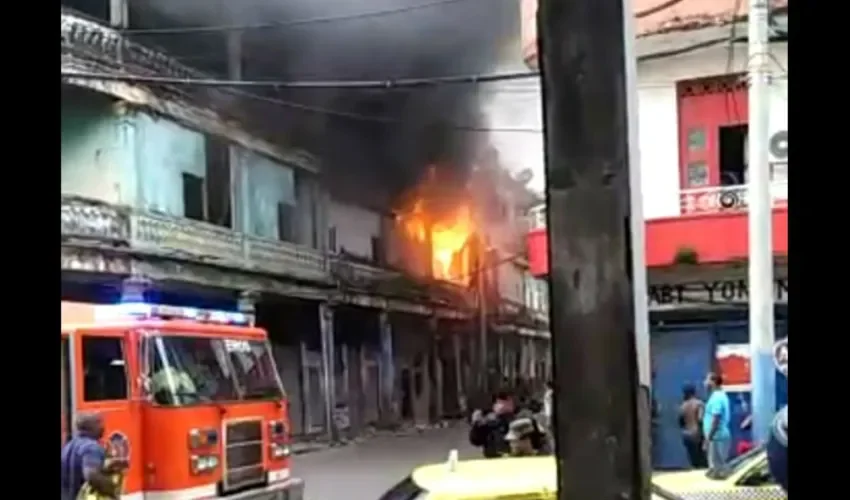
(733,466)
(186,370)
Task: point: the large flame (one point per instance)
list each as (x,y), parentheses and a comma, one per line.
(450,235)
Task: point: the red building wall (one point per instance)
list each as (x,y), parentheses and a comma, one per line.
(705,105)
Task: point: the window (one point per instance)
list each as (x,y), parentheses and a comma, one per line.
(332,239)
(733,155)
(218,182)
(104,373)
(697,174)
(193,197)
(285,222)
(696,139)
(377,250)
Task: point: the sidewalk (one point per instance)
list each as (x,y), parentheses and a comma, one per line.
(311,444)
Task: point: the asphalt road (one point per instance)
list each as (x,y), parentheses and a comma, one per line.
(366,470)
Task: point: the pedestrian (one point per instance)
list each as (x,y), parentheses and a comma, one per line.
(690,421)
(521,438)
(83,460)
(489,429)
(715,422)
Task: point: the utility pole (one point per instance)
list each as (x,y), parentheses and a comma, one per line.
(763,372)
(596,377)
(484,365)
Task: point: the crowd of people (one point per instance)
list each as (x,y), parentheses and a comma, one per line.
(513,425)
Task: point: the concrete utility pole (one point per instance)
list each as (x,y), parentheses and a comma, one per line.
(763,373)
(584,73)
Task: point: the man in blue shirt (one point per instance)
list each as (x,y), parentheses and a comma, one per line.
(715,422)
(83,458)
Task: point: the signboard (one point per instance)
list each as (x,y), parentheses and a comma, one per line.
(709,293)
(733,363)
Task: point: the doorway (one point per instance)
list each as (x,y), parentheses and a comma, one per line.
(733,155)
(406,395)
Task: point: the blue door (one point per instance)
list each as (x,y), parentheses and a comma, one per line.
(680,356)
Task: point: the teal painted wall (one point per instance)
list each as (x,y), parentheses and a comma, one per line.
(166,150)
(265,184)
(138,159)
(95,148)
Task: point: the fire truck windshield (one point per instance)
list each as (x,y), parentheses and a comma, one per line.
(187,370)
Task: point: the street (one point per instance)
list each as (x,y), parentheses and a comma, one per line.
(366,470)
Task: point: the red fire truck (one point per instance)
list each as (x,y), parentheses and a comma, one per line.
(191,396)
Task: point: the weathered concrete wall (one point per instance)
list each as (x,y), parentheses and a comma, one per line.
(96,146)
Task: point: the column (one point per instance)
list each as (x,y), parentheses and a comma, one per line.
(326,331)
(387,370)
(437,365)
(461,395)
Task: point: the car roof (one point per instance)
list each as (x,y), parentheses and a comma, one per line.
(490,478)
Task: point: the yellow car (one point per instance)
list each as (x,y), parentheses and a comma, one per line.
(745,477)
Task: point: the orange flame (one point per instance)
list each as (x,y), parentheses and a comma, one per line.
(449,239)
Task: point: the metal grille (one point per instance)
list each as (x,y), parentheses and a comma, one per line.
(243,454)
(740,493)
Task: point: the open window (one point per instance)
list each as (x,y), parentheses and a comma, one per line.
(104,369)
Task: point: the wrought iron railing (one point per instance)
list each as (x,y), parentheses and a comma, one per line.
(713,200)
(698,201)
(166,235)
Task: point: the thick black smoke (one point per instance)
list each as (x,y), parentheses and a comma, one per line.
(363,159)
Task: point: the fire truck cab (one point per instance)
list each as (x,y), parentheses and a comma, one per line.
(192,397)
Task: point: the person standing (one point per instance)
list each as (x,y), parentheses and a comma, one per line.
(489,430)
(83,460)
(715,422)
(690,421)
(521,438)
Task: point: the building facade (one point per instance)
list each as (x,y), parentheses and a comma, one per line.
(166,190)
(692,126)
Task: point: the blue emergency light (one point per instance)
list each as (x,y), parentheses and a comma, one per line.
(142,310)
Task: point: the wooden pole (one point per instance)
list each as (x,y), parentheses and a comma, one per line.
(596,381)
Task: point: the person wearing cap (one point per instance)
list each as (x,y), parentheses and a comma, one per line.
(489,430)
(84,460)
(521,438)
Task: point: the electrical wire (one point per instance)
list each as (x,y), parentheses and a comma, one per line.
(279,84)
(730,58)
(289,24)
(377,119)
(360,84)
(658,8)
(330,19)
(237,85)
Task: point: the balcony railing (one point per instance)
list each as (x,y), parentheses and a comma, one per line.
(713,200)
(164,235)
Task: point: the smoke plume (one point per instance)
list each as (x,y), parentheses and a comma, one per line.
(370,160)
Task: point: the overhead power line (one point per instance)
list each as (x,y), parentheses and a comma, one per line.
(364,84)
(279,84)
(237,87)
(290,24)
(331,19)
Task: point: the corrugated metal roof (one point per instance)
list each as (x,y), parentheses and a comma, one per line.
(691,14)
(88,46)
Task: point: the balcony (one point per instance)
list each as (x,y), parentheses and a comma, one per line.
(93,223)
(712,222)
